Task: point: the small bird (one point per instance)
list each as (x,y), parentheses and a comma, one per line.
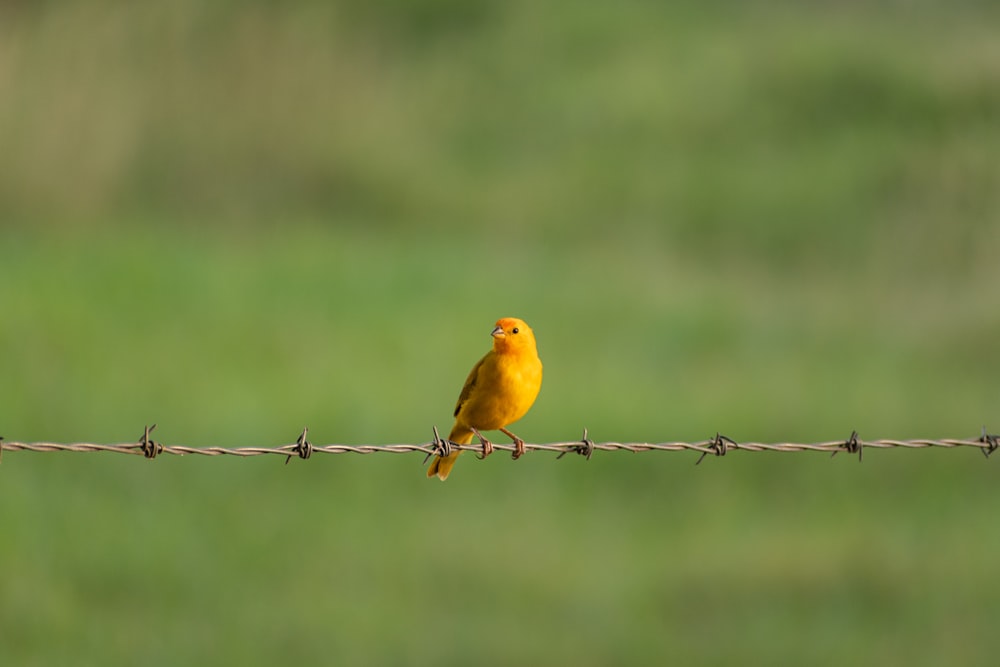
(500,389)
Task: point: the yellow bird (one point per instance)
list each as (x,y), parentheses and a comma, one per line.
(500,390)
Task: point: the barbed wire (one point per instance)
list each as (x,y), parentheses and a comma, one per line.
(718,446)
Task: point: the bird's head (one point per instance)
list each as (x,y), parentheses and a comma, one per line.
(512,335)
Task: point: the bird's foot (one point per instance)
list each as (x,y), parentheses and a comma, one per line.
(518,445)
(518,449)
(487,445)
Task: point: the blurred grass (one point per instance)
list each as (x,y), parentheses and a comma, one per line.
(775,221)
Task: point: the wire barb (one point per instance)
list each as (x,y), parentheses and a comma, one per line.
(303,448)
(718,446)
(439,447)
(852,445)
(585,448)
(150,448)
(991,442)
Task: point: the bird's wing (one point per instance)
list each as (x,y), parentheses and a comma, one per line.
(470,383)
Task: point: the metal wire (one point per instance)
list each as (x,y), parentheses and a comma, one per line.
(302,448)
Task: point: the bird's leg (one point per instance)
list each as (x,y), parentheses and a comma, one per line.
(518,444)
(487,445)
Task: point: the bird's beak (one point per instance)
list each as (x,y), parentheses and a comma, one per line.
(498,332)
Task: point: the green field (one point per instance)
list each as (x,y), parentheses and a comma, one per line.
(777,222)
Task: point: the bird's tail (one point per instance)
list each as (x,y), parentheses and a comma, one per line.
(441,465)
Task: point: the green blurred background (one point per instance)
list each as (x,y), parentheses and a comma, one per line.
(775,220)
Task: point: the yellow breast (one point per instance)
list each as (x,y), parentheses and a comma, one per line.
(505,389)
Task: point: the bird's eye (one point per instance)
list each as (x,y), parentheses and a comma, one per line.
(514,330)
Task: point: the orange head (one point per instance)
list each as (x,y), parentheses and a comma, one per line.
(513,335)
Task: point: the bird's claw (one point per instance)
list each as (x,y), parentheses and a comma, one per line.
(487,445)
(518,444)
(518,449)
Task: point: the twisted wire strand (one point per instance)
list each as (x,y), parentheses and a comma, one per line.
(302,448)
